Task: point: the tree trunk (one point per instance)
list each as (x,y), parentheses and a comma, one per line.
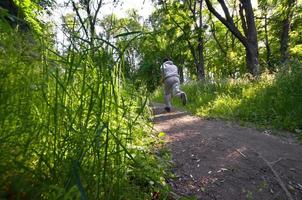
(252,59)
(181,74)
(200,66)
(249,38)
(198,51)
(252,54)
(285,30)
(268,49)
(181,69)
(284,40)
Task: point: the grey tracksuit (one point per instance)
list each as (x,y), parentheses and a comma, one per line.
(171,81)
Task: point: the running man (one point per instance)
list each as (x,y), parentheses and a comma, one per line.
(172,83)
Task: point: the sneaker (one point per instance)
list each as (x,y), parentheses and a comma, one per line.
(168,109)
(183,98)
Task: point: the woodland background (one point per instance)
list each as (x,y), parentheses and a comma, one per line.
(75,121)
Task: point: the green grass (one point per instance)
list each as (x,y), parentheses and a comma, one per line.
(72,127)
(271,101)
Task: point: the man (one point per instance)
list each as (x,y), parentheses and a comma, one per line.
(171,81)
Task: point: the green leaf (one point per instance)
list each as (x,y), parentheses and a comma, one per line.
(161,134)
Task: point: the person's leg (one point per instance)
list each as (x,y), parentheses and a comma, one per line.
(183,98)
(167,102)
(167,95)
(175,87)
(177,92)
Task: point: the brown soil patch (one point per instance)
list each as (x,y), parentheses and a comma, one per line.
(214,159)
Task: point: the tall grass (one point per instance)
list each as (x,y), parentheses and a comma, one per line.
(70,126)
(271,101)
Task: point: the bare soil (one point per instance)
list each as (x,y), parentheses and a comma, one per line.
(214,159)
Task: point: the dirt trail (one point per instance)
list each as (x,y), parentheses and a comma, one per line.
(214,159)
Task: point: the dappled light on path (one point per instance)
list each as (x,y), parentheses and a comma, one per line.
(213,159)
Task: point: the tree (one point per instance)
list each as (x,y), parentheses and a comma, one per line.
(225,56)
(265,9)
(184,16)
(196,8)
(288,13)
(281,21)
(249,36)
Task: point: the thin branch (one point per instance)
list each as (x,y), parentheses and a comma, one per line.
(228,23)
(80,18)
(282,185)
(108,43)
(92,28)
(244,26)
(225,10)
(215,37)
(187,39)
(97,11)
(241,153)
(185,33)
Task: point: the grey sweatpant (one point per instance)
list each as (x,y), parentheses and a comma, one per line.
(171,88)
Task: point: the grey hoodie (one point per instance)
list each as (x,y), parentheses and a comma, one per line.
(169,69)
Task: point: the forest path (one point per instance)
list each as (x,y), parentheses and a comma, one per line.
(214,159)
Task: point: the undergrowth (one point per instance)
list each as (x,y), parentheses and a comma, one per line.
(273,100)
(71,128)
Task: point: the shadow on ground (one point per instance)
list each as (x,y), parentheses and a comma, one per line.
(221,160)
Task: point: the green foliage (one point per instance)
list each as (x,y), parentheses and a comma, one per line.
(72,127)
(272,100)
(30,10)
(76,124)
(3,22)
(150,74)
(150,48)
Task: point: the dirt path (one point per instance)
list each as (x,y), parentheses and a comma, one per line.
(214,159)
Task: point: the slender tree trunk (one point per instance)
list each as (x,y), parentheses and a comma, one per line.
(285,30)
(181,74)
(284,40)
(199,50)
(180,68)
(268,49)
(200,66)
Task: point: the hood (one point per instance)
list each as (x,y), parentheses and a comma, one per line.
(169,62)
